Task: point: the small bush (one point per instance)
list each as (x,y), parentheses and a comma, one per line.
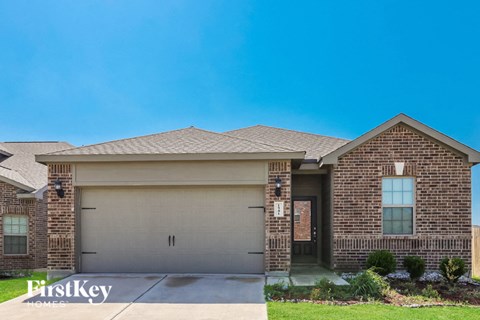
(325,284)
(415,266)
(298,292)
(368,285)
(11,274)
(452,268)
(382,262)
(275,291)
(319,294)
(410,289)
(324,290)
(429,292)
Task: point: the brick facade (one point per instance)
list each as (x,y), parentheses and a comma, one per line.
(36,211)
(61,220)
(278,229)
(443,200)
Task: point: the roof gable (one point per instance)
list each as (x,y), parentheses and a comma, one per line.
(472,155)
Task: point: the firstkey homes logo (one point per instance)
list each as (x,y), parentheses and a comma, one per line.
(94,294)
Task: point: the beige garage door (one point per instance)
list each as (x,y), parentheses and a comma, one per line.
(195,229)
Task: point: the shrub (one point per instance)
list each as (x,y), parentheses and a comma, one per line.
(410,289)
(275,291)
(452,268)
(368,285)
(324,290)
(319,294)
(429,292)
(415,266)
(382,262)
(298,292)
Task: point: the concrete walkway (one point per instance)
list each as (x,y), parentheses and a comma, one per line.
(307,275)
(149,296)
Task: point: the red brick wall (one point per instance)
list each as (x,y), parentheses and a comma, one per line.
(41,232)
(61,219)
(35,209)
(278,230)
(443,200)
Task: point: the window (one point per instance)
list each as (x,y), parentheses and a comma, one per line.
(296,215)
(397,199)
(15,230)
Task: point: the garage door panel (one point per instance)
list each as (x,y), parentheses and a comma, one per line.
(213,227)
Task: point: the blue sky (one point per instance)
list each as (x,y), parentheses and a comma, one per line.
(90,71)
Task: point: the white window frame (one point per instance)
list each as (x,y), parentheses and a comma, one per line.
(10,235)
(413,206)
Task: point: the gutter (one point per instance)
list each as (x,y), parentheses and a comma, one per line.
(44,159)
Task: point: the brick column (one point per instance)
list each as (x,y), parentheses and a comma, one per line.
(278,229)
(61,222)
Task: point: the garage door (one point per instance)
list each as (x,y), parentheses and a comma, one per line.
(195,229)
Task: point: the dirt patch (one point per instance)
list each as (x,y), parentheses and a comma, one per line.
(175,282)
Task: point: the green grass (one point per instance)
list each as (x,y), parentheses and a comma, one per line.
(308,311)
(476,278)
(12,288)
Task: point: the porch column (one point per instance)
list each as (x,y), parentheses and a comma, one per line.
(278,229)
(61,222)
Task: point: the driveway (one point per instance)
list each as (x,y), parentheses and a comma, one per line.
(145,296)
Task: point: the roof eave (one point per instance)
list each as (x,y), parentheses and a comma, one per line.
(37,194)
(16,184)
(472,155)
(169,157)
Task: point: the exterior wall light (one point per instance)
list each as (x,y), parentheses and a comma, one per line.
(278,186)
(58,187)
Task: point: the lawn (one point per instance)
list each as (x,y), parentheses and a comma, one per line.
(11,288)
(309,311)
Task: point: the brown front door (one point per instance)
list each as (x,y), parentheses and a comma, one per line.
(304,229)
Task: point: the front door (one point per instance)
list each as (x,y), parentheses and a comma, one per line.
(304,229)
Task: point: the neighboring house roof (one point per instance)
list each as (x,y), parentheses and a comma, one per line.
(315,145)
(18,166)
(184,144)
(472,155)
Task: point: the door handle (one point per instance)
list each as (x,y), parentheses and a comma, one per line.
(169,240)
(174,241)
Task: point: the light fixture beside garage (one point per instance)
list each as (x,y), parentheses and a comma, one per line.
(278,186)
(58,188)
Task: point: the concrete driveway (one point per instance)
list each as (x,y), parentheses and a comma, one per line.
(144,296)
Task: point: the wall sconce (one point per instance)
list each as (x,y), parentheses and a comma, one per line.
(58,187)
(278,186)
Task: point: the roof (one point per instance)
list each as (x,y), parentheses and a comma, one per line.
(18,166)
(252,143)
(184,144)
(316,146)
(472,155)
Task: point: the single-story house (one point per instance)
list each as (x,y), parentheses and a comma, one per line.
(23,204)
(258,199)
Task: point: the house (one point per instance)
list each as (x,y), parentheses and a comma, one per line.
(258,199)
(23,204)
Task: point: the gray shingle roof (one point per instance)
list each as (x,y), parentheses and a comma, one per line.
(315,145)
(183,141)
(21,167)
